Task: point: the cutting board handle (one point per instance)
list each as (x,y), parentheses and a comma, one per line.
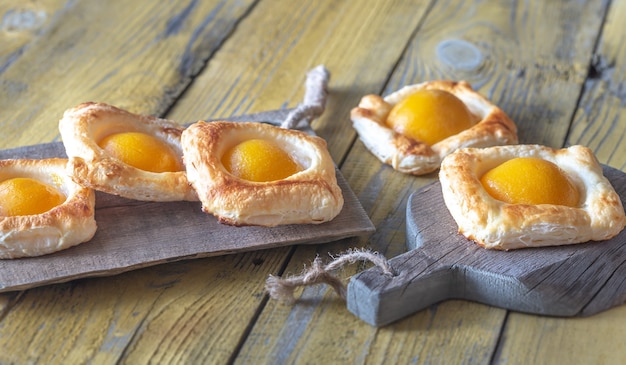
(420,281)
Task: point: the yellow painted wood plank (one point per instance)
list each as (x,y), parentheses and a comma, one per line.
(289,38)
(600,121)
(204,314)
(68,323)
(20,22)
(7,300)
(184,312)
(452,332)
(598,339)
(138,56)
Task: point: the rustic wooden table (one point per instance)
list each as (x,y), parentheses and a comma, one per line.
(557,68)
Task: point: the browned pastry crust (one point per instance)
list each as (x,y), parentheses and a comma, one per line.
(495,224)
(309,196)
(493,127)
(89,165)
(63,226)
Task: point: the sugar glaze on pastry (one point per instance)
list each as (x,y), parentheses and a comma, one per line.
(310,195)
(86,125)
(494,224)
(491,127)
(67,224)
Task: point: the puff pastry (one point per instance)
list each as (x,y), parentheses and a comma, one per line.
(61,227)
(494,224)
(311,195)
(89,165)
(411,156)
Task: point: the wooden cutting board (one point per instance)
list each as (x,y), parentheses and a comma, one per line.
(574,280)
(133,234)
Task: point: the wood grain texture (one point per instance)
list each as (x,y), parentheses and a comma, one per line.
(163,314)
(573,280)
(358,44)
(598,339)
(600,120)
(20,23)
(137,56)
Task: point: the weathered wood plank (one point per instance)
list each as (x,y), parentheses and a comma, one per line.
(20,23)
(352,41)
(600,120)
(125,318)
(138,56)
(597,339)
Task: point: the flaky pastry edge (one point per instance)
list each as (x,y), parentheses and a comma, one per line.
(89,165)
(494,224)
(309,196)
(61,227)
(411,156)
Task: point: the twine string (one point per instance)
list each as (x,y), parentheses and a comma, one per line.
(316,90)
(282,289)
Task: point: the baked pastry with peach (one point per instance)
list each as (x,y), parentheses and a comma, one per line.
(258,174)
(510,197)
(134,156)
(414,128)
(41,209)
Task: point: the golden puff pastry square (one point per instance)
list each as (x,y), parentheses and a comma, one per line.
(85,126)
(490,126)
(62,225)
(310,195)
(494,224)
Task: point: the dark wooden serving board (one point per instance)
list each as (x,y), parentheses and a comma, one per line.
(133,234)
(573,280)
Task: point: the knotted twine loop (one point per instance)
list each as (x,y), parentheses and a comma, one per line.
(283,289)
(316,90)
